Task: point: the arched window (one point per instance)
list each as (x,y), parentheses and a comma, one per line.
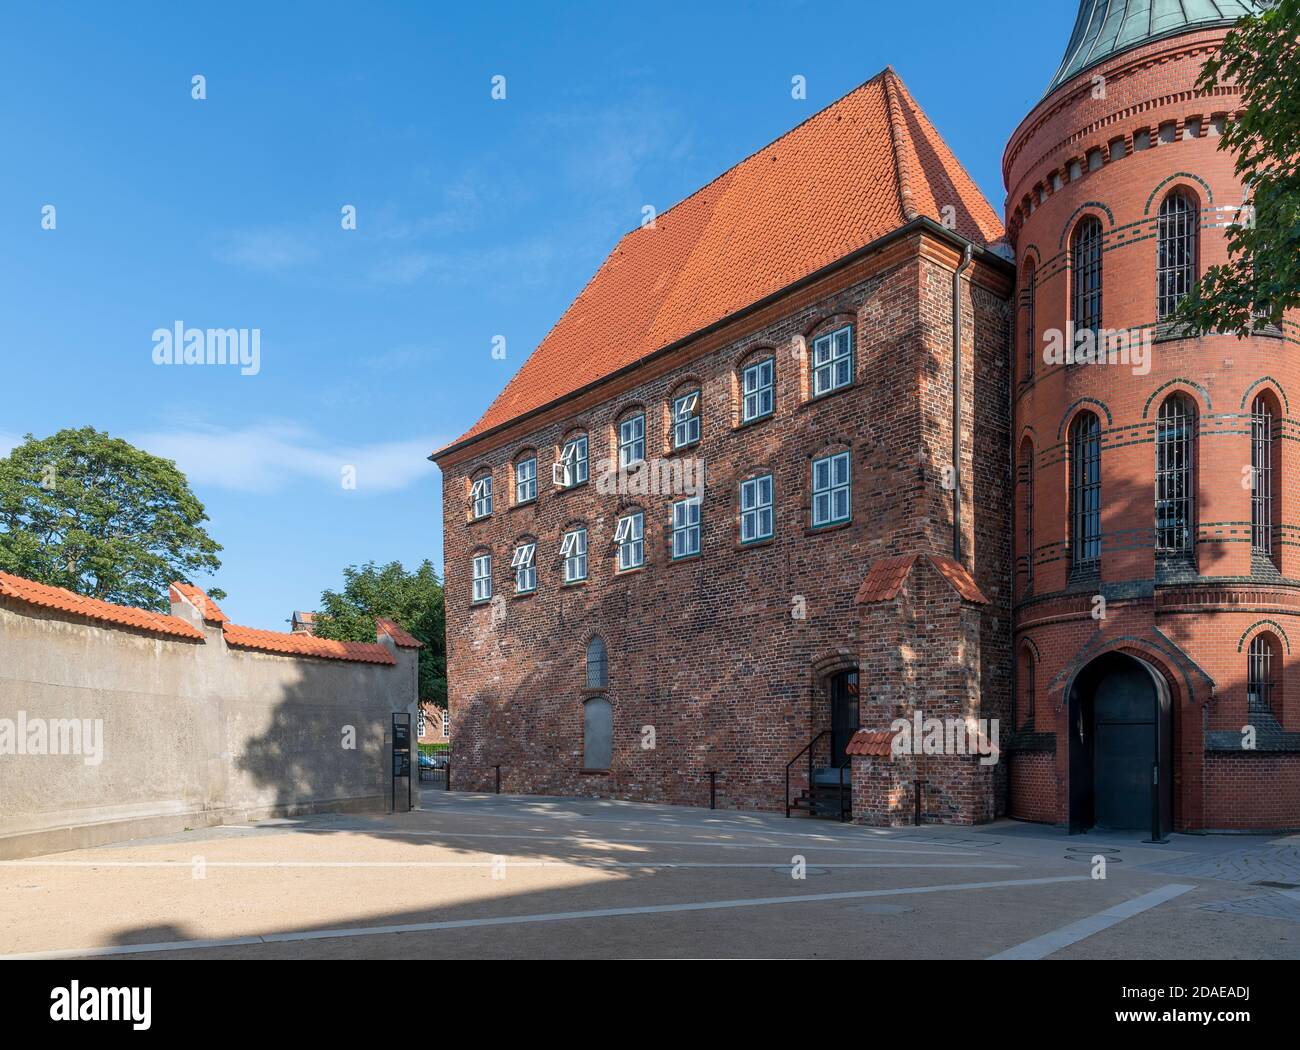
(1085,491)
(1027,509)
(597,733)
(1174,482)
(1263,436)
(1025,689)
(1176,234)
(1261,671)
(597,664)
(1029,295)
(1085,262)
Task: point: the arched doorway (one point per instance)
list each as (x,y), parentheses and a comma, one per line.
(1120,756)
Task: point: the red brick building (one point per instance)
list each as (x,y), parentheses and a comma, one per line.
(1157,570)
(754,498)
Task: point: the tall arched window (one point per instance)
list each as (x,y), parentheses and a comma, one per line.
(597,733)
(1174,483)
(597,664)
(1027,509)
(1029,294)
(1176,234)
(1263,435)
(1085,263)
(1261,672)
(1085,491)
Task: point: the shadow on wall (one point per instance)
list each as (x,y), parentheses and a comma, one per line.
(324,745)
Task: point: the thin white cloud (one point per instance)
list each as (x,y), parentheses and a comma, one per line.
(266,457)
(267,251)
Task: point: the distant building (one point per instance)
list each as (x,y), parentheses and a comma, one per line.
(304,622)
(433,726)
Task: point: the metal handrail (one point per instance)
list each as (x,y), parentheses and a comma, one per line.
(799,754)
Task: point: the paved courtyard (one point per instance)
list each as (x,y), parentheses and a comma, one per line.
(483,876)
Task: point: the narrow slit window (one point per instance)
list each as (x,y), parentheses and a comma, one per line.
(1176,246)
(1085,491)
(1174,476)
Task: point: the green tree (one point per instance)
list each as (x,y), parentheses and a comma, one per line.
(1262,278)
(412,600)
(99,516)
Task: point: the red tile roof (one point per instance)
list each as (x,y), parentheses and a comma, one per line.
(874,742)
(303,644)
(886,575)
(398,635)
(199,599)
(850,174)
(47,597)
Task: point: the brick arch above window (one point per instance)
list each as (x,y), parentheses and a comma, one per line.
(1184,180)
(1266,384)
(1032,255)
(1270,627)
(1189,387)
(1074,408)
(1096,210)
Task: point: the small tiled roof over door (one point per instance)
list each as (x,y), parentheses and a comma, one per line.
(846,177)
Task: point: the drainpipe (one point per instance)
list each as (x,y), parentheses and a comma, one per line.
(956,402)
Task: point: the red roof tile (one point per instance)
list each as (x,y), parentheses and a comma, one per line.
(961,579)
(303,644)
(886,575)
(874,742)
(850,174)
(47,597)
(398,635)
(199,599)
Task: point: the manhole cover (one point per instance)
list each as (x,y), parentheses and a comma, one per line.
(1090,850)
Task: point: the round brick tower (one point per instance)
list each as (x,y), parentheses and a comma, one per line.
(1157,550)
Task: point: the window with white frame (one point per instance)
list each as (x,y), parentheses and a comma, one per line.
(758,389)
(573,549)
(572,468)
(419,725)
(686,527)
(686,419)
(756,509)
(480,494)
(446,722)
(526,480)
(830,489)
(631,440)
(524,562)
(482,577)
(832,360)
(629,534)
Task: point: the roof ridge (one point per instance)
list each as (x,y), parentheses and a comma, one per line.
(902,169)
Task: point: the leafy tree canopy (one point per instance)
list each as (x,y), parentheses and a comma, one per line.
(100,517)
(412,600)
(1262,278)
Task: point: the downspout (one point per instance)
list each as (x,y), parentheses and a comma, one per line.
(956,402)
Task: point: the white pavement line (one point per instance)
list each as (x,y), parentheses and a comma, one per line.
(589,840)
(515,920)
(505,862)
(1041,947)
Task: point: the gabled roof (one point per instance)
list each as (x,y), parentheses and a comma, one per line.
(199,599)
(47,597)
(1106,28)
(885,578)
(399,636)
(856,171)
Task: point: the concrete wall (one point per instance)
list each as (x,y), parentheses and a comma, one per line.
(194,733)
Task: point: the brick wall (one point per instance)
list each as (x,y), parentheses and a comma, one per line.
(704,653)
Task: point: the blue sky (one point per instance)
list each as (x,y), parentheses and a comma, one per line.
(475,217)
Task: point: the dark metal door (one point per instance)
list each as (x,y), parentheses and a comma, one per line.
(844,714)
(1124,728)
